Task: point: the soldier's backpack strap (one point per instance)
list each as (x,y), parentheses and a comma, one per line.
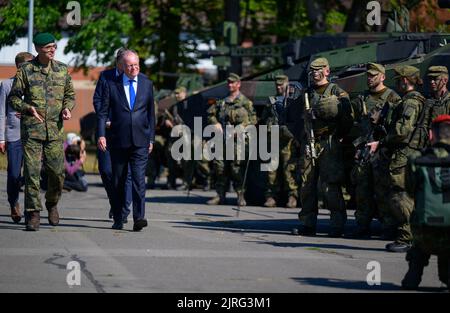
(386,95)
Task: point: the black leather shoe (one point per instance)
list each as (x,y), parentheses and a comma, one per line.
(398,247)
(124,220)
(139,224)
(117,225)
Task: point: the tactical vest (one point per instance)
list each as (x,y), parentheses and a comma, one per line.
(440,106)
(372,106)
(326,109)
(419,136)
(433,195)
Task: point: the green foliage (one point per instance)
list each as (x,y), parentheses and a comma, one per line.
(334,21)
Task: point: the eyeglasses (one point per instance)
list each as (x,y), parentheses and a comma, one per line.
(49,48)
(132,66)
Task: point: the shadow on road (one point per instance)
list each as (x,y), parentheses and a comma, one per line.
(358,285)
(344,284)
(317,246)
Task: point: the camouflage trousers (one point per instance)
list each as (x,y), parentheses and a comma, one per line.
(401,205)
(286,173)
(193,167)
(328,171)
(429,241)
(52,155)
(233,170)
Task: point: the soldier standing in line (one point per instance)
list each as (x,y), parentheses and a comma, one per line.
(427,180)
(438,79)
(236,109)
(407,134)
(329,119)
(275,113)
(373,113)
(43,93)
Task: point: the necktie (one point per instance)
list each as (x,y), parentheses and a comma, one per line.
(132,93)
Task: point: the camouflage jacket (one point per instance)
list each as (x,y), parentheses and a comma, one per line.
(49,90)
(367,106)
(331,109)
(240,111)
(406,119)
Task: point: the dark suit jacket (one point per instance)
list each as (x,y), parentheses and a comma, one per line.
(128,128)
(106,75)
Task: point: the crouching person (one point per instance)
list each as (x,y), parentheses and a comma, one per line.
(74,158)
(428,181)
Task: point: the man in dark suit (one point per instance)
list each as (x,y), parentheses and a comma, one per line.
(129,105)
(104,157)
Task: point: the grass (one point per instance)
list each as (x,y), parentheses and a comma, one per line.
(91,165)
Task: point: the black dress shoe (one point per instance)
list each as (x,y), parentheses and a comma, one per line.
(139,224)
(117,225)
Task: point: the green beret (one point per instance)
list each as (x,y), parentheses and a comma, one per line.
(43,39)
(281,79)
(319,63)
(437,70)
(233,77)
(375,69)
(406,71)
(180,89)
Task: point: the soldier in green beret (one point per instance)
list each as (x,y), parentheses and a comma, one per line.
(236,109)
(43,93)
(373,116)
(438,79)
(329,119)
(276,112)
(404,137)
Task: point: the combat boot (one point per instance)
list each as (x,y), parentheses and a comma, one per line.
(53,215)
(292,202)
(219,199)
(416,264)
(16,215)
(240,199)
(397,246)
(33,220)
(270,203)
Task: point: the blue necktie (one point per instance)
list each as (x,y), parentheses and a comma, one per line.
(132,94)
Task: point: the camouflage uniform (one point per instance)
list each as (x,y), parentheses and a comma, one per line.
(442,105)
(50,91)
(405,136)
(365,176)
(333,119)
(235,112)
(427,240)
(285,175)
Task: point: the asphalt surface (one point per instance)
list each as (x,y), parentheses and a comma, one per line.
(189,247)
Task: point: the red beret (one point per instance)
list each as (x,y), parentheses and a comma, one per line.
(441,118)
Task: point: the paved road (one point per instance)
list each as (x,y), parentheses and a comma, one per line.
(188,247)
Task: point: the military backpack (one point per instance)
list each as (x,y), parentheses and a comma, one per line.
(433,197)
